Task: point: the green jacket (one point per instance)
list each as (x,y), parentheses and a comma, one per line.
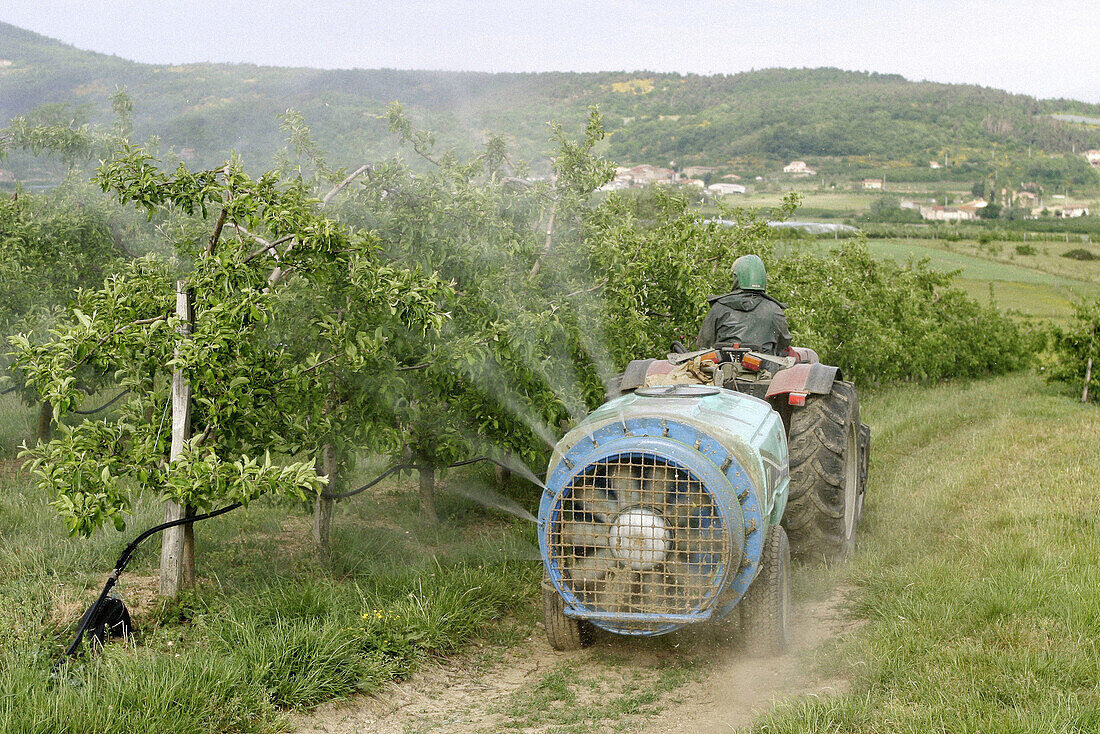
(751,318)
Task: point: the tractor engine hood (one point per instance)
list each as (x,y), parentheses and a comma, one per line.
(657,504)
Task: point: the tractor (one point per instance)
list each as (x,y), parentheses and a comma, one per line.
(683,497)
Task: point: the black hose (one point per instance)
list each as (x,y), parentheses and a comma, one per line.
(124,559)
(13,388)
(120,565)
(106,405)
(400,467)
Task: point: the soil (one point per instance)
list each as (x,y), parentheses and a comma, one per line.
(728,689)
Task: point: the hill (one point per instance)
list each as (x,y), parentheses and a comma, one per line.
(846,122)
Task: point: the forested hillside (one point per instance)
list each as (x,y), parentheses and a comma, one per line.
(845,121)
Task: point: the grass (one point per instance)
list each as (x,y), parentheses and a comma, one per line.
(570,699)
(274,627)
(1043,286)
(978,577)
(1026,284)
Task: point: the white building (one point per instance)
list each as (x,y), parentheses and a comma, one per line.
(799,168)
(947,214)
(724,189)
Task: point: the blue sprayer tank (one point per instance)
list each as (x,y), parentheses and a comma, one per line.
(657,507)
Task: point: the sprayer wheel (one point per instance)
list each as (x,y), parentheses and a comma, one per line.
(827,475)
(563,633)
(766,606)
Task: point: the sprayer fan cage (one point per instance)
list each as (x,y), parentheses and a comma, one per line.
(636,534)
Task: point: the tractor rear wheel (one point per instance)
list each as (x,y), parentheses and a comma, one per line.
(827,475)
(563,633)
(766,606)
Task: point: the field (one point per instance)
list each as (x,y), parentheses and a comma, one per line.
(978,580)
(1043,285)
(274,626)
(976,585)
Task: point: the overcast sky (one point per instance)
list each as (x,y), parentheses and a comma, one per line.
(1048,49)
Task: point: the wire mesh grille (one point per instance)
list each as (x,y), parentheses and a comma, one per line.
(636,534)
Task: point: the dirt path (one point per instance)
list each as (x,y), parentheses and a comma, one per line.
(679,683)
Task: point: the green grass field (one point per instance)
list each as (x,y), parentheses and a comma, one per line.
(978,576)
(1026,285)
(1042,286)
(274,626)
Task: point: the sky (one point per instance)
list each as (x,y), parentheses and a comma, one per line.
(1044,49)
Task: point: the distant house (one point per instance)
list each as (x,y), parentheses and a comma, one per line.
(724,189)
(872,184)
(947,214)
(1025,198)
(187,154)
(934,164)
(974,207)
(907,204)
(731,177)
(799,168)
(699,171)
(645,174)
(1064,211)
(622,180)
(697,182)
(6,176)
(1093,157)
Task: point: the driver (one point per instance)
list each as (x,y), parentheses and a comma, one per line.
(747,315)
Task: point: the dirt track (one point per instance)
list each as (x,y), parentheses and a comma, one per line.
(726,690)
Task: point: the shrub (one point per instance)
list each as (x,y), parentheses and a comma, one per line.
(1080,253)
(1071,347)
(1025,250)
(879,321)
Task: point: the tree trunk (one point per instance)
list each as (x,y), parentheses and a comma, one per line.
(427,494)
(322,506)
(172,539)
(45,422)
(501,474)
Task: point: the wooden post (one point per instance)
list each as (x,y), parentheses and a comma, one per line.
(322,506)
(427,494)
(172,539)
(1088,377)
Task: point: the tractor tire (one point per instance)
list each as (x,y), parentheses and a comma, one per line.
(562,632)
(766,606)
(828,471)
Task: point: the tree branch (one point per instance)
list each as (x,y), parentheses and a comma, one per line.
(343,184)
(116,332)
(549,243)
(596,287)
(217,233)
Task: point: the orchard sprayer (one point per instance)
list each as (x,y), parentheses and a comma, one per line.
(681,499)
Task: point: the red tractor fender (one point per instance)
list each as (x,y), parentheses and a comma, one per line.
(803,355)
(811,378)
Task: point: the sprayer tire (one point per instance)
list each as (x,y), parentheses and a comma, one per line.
(766,606)
(827,476)
(562,632)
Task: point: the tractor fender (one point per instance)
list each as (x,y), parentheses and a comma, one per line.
(814,378)
(803,355)
(635,374)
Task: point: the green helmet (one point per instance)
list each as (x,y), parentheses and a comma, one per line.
(749,273)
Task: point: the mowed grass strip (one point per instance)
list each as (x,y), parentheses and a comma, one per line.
(979,573)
